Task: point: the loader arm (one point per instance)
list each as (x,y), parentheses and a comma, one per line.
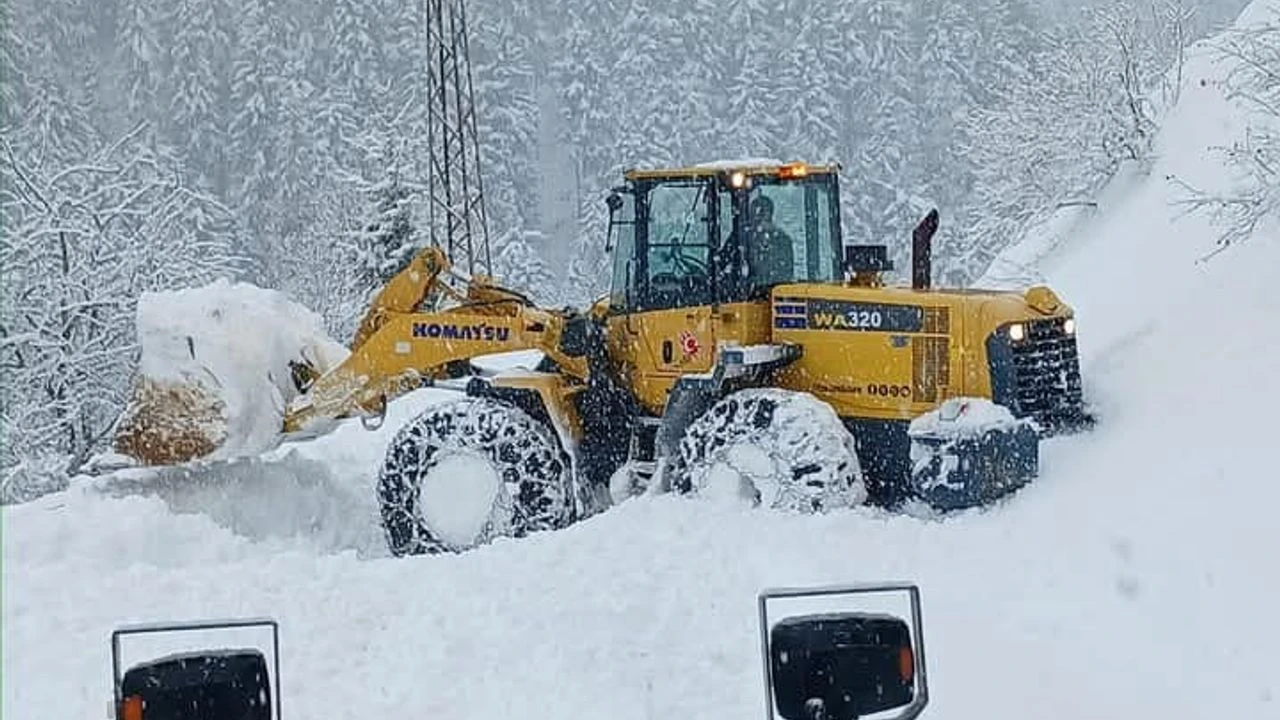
(404,293)
(399,351)
(417,329)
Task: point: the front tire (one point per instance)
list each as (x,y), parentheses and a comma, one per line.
(464,473)
(779,449)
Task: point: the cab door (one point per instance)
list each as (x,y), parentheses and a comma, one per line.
(663,322)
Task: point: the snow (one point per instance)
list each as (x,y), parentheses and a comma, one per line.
(962,417)
(508,362)
(737,477)
(235,340)
(747,162)
(1135,578)
(457,497)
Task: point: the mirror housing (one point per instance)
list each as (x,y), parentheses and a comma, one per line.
(843,665)
(614,202)
(204,684)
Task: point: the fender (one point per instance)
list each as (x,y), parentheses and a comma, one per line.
(736,367)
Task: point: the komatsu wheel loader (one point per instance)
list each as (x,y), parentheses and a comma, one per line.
(744,347)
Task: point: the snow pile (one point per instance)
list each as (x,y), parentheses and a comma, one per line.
(514,362)
(318,494)
(220,356)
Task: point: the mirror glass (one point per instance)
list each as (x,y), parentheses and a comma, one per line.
(204,685)
(843,653)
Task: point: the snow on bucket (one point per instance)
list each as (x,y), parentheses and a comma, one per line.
(216,371)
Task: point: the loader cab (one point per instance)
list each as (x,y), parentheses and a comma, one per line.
(718,234)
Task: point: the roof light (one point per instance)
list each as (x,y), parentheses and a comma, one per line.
(738,179)
(793,170)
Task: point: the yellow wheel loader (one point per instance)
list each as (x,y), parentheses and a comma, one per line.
(744,348)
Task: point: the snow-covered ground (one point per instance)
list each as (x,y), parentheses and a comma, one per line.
(1136,578)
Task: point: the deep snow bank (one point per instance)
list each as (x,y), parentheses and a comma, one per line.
(1136,578)
(319,495)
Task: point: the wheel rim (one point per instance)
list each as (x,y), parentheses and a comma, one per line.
(457,495)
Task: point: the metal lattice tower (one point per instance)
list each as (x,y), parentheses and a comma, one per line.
(455,208)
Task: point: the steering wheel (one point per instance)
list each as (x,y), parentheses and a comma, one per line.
(685,264)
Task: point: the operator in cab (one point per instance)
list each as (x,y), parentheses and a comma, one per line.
(770,256)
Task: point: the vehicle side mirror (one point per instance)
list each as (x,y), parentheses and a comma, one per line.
(615,203)
(225,678)
(845,664)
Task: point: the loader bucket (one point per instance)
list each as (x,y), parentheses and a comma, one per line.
(218,365)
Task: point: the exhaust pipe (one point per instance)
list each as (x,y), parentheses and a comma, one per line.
(922,251)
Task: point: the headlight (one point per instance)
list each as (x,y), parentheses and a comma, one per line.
(1069,326)
(1017,332)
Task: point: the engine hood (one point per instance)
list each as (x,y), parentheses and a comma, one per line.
(902,309)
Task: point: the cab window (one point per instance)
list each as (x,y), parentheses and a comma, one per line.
(791,233)
(675,222)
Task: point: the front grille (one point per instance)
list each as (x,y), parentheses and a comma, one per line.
(1046,376)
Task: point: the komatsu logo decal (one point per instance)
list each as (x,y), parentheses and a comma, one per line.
(450,331)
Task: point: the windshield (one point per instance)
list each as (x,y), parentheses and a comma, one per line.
(678,246)
(790,232)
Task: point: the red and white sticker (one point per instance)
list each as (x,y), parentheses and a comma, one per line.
(688,343)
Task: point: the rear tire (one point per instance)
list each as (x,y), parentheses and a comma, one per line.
(462,474)
(780,449)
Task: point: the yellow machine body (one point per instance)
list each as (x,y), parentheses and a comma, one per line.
(861,370)
(876,353)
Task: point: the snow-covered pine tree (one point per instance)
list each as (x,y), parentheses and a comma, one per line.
(199,84)
(387,240)
(14,62)
(507,126)
(518,266)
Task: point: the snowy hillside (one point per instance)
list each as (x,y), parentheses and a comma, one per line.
(1136,578)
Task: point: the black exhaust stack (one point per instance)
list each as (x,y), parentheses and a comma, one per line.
(922,251)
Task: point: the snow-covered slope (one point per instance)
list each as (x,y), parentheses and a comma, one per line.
(1136,578)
